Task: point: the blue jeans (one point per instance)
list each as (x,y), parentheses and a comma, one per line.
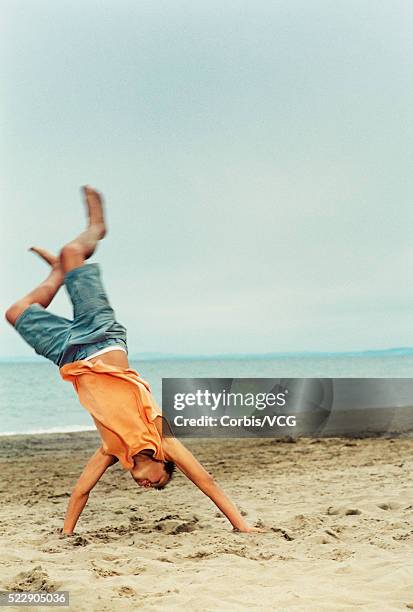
(93,327)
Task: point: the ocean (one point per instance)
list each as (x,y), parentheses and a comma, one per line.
(35,399)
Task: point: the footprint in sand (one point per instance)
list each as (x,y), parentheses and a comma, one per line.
(102,572)
(172,524)
(126,591)
(174,527)
(123,564)
(78,541)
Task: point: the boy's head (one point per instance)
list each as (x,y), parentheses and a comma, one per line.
(151,473)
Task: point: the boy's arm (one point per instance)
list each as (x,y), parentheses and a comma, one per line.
(94,470)
(193,470)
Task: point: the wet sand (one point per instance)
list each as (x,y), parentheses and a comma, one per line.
(339,514)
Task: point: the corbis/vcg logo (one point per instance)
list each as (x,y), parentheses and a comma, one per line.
(280,407)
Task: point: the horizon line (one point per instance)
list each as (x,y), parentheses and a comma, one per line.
(155,355)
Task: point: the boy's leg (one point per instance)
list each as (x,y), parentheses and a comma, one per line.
(44,331)
(44,293)
(71,256)
(83,246)
(94,320)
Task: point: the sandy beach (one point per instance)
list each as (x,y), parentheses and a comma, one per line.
(338,514)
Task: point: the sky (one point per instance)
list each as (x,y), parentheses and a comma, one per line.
(255,158)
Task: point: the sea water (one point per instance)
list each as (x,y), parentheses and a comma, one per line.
(35,399)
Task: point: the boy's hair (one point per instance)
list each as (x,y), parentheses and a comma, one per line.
(169,469)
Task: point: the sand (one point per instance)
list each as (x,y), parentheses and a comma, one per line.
(338,512)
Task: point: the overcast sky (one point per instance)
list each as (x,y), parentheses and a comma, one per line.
(256,160)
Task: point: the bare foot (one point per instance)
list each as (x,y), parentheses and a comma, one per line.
(94,203)
(56,275)
(51,259)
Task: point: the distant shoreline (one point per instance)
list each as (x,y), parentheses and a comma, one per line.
(389,352)
(50,431)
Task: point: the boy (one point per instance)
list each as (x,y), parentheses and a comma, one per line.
(91,352)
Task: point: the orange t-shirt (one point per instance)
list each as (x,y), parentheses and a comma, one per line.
(122,407)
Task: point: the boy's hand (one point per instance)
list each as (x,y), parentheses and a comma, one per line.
(250,530)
